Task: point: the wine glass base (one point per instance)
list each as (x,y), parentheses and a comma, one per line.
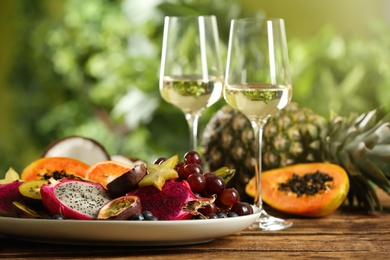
(267,222)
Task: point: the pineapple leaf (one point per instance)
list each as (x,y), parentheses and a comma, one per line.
(374,174)
(381,151)
(366,120)
(367,199)
(360,188)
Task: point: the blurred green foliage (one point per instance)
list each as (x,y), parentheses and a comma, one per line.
(93,71)
(342,73)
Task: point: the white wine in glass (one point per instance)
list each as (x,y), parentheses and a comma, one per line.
(258,83)
(191,73)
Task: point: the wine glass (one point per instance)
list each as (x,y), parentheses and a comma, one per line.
(258,83)
(191,72)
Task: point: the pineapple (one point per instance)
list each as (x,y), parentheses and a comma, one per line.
(228,140)
(358,143)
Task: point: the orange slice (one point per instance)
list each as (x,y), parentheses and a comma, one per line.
(106,171)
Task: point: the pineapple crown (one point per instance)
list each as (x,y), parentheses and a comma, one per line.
(361,144)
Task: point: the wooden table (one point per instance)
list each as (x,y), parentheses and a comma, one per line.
(346,234)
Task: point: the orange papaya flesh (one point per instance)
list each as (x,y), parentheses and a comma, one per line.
(56,167)
(319,204)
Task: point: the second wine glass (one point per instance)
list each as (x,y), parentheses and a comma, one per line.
(191,73)
(258,83)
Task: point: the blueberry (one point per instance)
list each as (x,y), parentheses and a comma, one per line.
(137,216)
(147,215)
(151,218)
(212,216)
(222,215)
(199,217)
(232,214)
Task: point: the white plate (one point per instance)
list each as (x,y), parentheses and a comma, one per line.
(123,233)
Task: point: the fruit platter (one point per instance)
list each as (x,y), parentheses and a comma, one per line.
(60,199)
(122,232)
(317,167)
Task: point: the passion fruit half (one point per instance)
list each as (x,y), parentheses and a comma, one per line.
(106,171)
(127,181)
(121,208)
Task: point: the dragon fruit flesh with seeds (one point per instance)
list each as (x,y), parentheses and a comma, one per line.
(9,193)
(74,199)
(175,201)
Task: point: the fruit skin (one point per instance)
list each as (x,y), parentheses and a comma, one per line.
(127,181)
(175,201)
(106,171)
(120,208)
(9,193)
(74,199)
(44,168)
(21,210)
(318,205)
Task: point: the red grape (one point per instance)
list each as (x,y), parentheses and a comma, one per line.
(160,160)
(208,174)
(179,167)
(214,184)
(192,157)
(196,181)
(242,208)
(229,197)
(209,209)
(189,169)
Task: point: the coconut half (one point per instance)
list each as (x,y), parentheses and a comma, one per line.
(80,148)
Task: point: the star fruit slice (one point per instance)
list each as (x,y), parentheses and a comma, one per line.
(159,173)
(10,176)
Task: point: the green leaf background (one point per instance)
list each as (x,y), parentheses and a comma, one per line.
(91,68)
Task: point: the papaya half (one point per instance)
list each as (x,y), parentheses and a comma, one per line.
(309,189)
(56,167)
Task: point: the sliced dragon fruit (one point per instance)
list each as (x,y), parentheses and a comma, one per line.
(9,193)
(74,199)
(175,201)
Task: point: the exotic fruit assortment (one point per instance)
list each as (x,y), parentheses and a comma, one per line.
(358,143)
(167,189)
(311,166)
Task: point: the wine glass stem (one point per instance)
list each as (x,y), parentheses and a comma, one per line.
(257,125)
(192,120)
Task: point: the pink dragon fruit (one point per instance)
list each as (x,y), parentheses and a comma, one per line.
(9,193)
(175,201)
(74,199)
